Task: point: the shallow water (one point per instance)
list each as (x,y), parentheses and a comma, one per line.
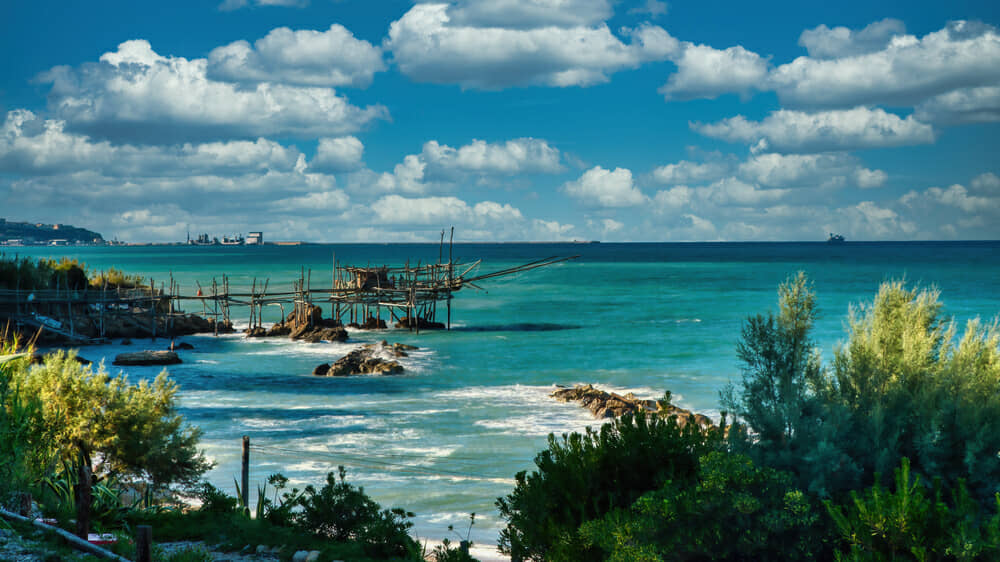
(447,437)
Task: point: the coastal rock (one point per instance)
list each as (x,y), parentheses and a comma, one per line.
(147,358)
(318,334)
(279,330)
(611,405)
(183,345)
(367,360)
(255,332)
(421,323)
(321,370)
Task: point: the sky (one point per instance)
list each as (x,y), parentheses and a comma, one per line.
(390,120)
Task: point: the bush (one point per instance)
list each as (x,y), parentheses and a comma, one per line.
(906,524)
(733,510)
(582,477)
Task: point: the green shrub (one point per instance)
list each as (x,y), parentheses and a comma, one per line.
(906,524)
(341,512)
(582,477)
(732,510)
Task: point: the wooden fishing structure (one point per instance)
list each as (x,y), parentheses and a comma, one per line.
(359,296)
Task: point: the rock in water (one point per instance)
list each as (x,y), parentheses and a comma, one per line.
(611,405)
(367,360)
(147,358)
(321,370)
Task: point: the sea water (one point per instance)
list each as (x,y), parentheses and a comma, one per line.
(472,409)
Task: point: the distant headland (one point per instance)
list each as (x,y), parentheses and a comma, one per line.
(41,234)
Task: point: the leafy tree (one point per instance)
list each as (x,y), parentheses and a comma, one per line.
(783,420)
(906,524)
(581,477)
(733,510)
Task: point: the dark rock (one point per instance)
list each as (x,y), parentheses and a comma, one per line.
(255,332)
(422,323)
(364,361)
(373,323)
(316,335)
(126,341)
(321,370)
(279,330)
(184,345)
(147,358)
(611,405)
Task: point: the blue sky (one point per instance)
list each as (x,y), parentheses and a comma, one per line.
(346,120)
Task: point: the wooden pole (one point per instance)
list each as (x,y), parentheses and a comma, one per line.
(245,473)
(143,543)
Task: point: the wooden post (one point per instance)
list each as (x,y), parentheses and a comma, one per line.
(245,473)
(152,307)
(451,241)
(143,543)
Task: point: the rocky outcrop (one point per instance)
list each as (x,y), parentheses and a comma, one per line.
(372,359)
(611,405)
(371,323)
(316,334)
(147,358)
(421,323)
(314,330)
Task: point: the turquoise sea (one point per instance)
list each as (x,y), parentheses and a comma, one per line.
(446,438)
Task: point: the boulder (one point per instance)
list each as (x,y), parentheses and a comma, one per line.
(367,360)
(279,330)
(183,345)
(147,358)
(611,405)
(373,323)
(255,332)
(318,334)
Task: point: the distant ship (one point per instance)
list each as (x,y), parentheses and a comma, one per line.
(835,239)
(235,241)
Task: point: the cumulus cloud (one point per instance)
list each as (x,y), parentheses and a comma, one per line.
(706,72)
(136,94)
(428,46)
(823,42)
(967,105)
(338,154)
(809,170)
(32,145)
(516,156)
(606,188)
(655,8)
(986,183)
(906,71)
(396,209)
(529,14)
(797,131)
(685,172)
(303,57)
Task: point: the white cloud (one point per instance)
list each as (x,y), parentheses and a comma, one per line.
(733,191)
(135,93)
(606,188)
(796,131)
(31,145)
(338,154)
(551,230)
(303,57)
(809,170)
(394,209)
(669,200)
(823,42)
(967,105)
(529,14)
(428,46)
(690,172)
(987,183)
(517,156)
(706,72)
(867,179)
(907,71)
(655,8)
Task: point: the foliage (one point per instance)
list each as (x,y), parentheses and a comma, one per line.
(733,510)
(899,387)
(115,278)
(45,273)
(582,477)
(135,428)
(906,524)
(915,393)
(445,553)
(341,512)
